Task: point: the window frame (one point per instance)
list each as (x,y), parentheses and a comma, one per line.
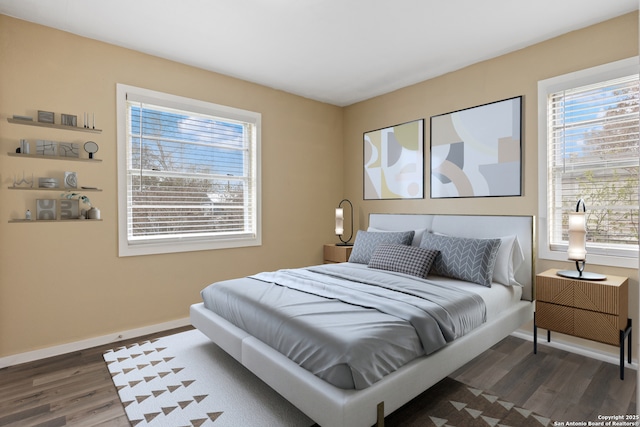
(613,70)
(157,245)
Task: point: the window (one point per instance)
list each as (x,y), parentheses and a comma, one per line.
(188,174)
(588,130)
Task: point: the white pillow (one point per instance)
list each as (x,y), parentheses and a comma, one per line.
(508,261)
(417,237)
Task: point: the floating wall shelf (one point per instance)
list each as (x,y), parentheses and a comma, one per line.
(40,156)
(52,125)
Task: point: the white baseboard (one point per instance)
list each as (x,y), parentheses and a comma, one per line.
(44,353)
(560,344)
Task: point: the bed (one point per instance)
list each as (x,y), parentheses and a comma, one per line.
(330,398)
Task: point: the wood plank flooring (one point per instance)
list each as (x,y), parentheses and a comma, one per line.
(554,383)
(76,389)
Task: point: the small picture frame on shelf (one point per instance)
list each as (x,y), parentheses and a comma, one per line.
(46,148)
(69,209)
(46,209)
(69,120)
(46,116)
(69,149)
(70,180)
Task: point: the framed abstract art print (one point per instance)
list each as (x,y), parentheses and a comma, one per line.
(477,152)
(394,162)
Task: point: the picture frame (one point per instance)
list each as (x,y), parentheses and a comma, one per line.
(69,149)
(46,209)
(393,162)
(69,209)
(69,120)
(477,151)
(46,116)
(70,180)
(46,148)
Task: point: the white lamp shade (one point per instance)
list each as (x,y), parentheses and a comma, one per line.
(339,221)
(577,236)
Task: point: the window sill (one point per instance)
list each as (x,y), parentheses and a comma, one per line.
(127,249)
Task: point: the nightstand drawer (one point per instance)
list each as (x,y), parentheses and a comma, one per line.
(608,296)
(601,327)
(554,317)
(335,253)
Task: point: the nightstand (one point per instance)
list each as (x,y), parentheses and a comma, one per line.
(595,310)
(336,253)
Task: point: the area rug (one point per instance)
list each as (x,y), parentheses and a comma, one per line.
(186,380)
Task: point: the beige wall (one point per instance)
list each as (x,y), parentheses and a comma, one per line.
(63,282)
(500,78)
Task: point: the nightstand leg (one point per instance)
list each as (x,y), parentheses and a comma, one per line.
(626,334)
(629,346)
(535,334)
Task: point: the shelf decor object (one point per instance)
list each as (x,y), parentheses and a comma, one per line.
(476,152)
(340,223)
(578,246)
(46,209)
(69,149)
(394,162)
(69,120)
(91,148)
(46,117)
(70,180)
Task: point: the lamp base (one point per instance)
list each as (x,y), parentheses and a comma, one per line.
(581,275)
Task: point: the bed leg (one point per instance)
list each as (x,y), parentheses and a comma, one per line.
(380,421)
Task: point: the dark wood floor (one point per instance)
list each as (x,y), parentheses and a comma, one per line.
(76,389)
(554,383)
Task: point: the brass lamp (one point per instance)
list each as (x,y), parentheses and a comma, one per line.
(578,245)
(340,223)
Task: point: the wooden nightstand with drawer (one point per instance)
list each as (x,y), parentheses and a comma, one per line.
(337,253)
(594,310)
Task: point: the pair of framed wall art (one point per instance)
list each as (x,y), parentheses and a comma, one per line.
(474,152)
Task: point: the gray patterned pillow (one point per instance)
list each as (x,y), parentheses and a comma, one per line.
(463,258)
(403,259)
(367,241)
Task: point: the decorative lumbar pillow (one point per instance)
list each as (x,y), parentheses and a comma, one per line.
(403,259)
(367,241)
(463,258)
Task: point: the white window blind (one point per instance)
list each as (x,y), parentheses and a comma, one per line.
(592,154)
(190,175)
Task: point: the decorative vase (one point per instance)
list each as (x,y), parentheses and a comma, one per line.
(93,213)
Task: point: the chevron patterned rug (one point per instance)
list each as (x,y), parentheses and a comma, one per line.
(186,380)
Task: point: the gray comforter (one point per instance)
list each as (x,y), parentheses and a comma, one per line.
(346,323)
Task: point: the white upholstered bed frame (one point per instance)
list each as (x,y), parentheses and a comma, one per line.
(330,406)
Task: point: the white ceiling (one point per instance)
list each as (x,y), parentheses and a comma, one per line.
(335,51)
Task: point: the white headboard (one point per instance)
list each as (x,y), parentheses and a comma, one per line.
(476,226)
